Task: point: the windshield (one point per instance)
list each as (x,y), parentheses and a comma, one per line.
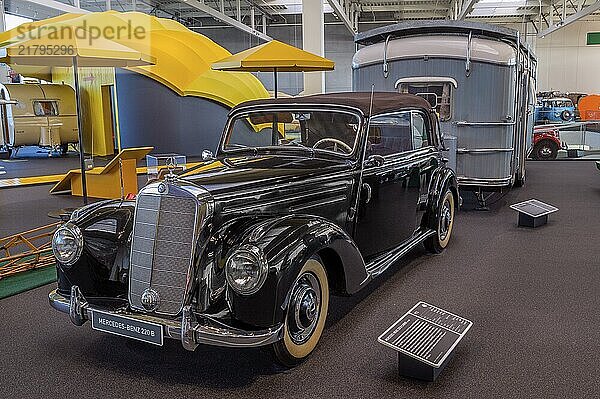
(335,132)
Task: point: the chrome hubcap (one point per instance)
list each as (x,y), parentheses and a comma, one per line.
(304,308)
(445,220)
(545,151)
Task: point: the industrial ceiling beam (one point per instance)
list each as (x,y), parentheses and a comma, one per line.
(467,7)
(500,4)
(403,8)
(227,19)
(572,18)
(339,11)
(57,5)
(229,8)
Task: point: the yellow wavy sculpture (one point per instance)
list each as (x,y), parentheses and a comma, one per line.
(183,58)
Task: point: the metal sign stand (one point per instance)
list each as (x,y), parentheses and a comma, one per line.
(533,213)
(425,338)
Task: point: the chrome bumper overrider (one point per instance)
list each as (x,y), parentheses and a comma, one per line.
(191,330)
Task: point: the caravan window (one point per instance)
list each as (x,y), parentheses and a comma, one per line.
(45,108)
(439,95)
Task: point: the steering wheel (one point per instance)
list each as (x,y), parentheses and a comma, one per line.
(335,142)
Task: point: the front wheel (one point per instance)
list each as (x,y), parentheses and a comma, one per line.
(445,220)
(305,316)
(545,150)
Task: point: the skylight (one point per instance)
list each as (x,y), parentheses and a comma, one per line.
(497,7)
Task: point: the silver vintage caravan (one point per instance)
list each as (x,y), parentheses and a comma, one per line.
(481,80)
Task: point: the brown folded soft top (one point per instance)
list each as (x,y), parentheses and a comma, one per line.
(383,102)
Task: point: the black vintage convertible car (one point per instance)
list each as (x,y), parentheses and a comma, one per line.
(306,197)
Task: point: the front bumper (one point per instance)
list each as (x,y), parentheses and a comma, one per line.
(192,330)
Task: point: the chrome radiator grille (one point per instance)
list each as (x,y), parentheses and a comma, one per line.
(162,250)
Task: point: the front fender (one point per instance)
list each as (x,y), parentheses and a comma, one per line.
(288,242)
(101,269)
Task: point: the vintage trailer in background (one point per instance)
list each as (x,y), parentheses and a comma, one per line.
(480,79)
(35,114)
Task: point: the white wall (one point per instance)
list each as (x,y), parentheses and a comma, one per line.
(566,63)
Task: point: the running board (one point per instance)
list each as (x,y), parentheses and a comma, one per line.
(381,263)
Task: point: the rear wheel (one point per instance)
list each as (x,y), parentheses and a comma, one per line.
(305,315)
(545,150)
(445,220)
(6,154)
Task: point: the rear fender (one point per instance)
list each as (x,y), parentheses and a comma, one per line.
(443,179)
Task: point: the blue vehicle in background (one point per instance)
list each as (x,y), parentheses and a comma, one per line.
(554,110)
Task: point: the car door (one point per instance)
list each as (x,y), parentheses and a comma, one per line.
(391,183)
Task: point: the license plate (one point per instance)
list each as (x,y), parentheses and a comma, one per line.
(131,328)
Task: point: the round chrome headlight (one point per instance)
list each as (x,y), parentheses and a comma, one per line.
(67,244)
(246,269)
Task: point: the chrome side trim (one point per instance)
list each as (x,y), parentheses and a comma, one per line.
(191,335)
(467,123)
(226,198)
(284,198)
(382,262)
(318,203)
(393,161)
(487,182)
(484,150)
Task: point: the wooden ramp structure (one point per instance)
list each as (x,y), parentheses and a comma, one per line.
(115,180)
(28,250)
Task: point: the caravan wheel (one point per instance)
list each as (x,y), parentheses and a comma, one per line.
(520,179)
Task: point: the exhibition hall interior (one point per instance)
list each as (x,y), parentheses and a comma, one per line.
(299,198)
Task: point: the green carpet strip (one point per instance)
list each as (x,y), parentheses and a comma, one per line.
(28,280)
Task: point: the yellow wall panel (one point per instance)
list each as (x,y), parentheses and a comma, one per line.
(97,138)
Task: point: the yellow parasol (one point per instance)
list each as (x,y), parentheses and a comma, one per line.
(274,56)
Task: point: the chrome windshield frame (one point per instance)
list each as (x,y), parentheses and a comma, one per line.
(223,152)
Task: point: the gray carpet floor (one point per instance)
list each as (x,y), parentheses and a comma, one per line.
(532,295)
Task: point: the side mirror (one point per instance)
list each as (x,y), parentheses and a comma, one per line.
(207,155)
(374,161)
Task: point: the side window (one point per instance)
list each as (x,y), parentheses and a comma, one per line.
(45,108)
(420,136)
(438,94)
(390,134)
